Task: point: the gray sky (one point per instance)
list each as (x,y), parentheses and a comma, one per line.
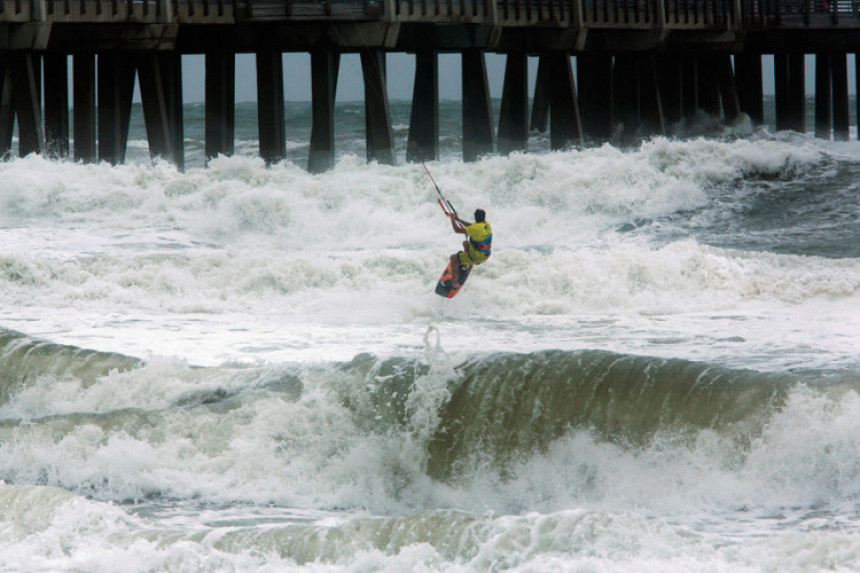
(401,71)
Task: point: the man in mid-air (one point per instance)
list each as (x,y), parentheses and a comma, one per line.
(476,249)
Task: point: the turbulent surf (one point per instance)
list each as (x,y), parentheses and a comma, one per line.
(245,368)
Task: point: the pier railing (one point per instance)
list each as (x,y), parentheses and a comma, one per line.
(624,14)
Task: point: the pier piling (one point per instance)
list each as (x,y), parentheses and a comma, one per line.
(270,106)
(7,108)
(84,102)
(220,103)
(690,86)
(595,95)
(324,70)
(748,75)
(56,105)
(823,96)
(154,80)
(478,134)
(627,100)
(728,87)
(565,124)
(27,99)
(669,80)
(539,120)
(423,138)
(652,102)
(708,88)
(839,79)
(380,140)
(513,130)
(115,90)
(789,75)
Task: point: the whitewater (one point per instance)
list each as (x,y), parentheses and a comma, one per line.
(245,368)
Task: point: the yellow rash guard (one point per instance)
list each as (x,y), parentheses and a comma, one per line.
(480,244)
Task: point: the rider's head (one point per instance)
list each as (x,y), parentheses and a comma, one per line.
(480,216)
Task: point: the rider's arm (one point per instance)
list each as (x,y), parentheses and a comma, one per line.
(458,224)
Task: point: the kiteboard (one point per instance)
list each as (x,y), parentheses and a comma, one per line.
(443,287)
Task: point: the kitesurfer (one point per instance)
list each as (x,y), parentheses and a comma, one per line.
(476,249)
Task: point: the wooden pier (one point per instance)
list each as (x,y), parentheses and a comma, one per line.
(642,66)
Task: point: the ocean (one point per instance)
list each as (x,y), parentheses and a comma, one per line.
(245,368)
